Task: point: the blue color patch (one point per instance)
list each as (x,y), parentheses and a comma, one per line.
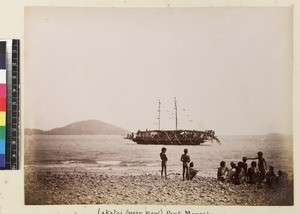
(2,160)
(2,147)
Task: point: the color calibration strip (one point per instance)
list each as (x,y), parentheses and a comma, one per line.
(12,106)
(2,102)
(9,104)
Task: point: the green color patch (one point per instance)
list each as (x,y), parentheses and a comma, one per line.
(2,132)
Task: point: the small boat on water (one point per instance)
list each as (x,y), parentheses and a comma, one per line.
(172,137)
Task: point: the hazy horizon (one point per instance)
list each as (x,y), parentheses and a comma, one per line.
(161,129)
(229,68)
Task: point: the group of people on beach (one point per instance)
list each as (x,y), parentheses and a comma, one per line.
(237,174)
(257,173)
(188,171)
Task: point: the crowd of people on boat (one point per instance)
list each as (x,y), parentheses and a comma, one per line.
(237,174)
(172,135)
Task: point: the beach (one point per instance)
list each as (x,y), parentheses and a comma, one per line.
(53,187)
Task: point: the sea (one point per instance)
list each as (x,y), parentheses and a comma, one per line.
(115,155)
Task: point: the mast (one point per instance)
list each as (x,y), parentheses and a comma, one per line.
(175,111)
(158,115)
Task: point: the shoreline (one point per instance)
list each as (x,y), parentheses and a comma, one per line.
(79,187)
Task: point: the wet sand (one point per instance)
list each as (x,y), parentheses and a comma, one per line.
(77,187)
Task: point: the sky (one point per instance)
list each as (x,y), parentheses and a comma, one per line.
(230,69)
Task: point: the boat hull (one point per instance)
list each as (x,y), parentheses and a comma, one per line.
(172,137)
(168,142)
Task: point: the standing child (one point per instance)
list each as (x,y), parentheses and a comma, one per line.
(164,160)
(185,164)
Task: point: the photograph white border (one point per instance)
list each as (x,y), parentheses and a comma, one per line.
(12,182)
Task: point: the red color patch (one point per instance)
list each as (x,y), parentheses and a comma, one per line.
(2,104)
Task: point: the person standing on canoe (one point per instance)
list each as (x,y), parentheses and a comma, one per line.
(185,159)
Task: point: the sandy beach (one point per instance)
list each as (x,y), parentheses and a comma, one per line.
(78,187)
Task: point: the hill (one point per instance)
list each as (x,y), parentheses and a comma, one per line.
(89,127)
(34,132)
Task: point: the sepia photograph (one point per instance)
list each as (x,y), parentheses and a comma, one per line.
(158,106)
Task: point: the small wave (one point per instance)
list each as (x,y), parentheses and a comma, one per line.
(126,164)
(109,163)
(153,164)
(143,166)
(78,161)
(69,162)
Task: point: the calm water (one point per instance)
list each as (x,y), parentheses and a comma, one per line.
(113,154)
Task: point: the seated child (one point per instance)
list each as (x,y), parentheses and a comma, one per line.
(231,172)
(270,177)
(253,173)
(279,178)
(222,172)
(240,176)
(192,171)
(262,165)
(245,166)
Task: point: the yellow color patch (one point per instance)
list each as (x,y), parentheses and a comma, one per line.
(2,118)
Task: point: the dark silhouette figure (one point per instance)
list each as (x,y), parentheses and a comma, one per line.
(164,160)
(185,159)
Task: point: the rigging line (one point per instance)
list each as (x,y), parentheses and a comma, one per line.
(177,138)
(168,136)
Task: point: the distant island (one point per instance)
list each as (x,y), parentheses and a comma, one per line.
(278,136)
(88,127)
